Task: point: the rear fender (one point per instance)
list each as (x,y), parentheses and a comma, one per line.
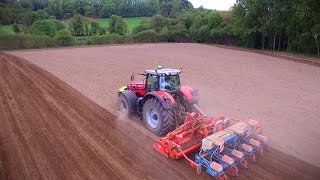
(188,94)
(166,100)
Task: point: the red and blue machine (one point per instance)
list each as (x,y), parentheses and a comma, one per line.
(167,107)
(222,146)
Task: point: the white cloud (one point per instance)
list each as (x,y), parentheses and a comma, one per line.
(214,4)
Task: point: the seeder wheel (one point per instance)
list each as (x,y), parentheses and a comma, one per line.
(222,177)
(244,164)
(253,156)
(260,151)
(233,171)
(268,147)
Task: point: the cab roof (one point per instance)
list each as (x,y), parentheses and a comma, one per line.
(163,71)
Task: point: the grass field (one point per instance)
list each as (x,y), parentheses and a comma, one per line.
(6,30)
(132,22)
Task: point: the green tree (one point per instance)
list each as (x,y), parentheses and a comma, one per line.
(68,8)
(43,14)
(6,15)
(108,8)
(39,4)
(77,25)
(55,8)
(26,4)
(187,19)
(157,23)
(86,24)
(64,38)
(117,25)
(47,27)
(316,35)
(171,8)
(30,17)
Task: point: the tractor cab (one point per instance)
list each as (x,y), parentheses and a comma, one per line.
(163,80)
(160,79)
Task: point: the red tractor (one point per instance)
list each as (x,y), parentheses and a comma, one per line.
(159,99)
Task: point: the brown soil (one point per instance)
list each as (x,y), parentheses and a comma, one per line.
(283,55)
(51,130)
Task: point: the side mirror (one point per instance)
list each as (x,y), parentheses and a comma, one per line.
(132,77)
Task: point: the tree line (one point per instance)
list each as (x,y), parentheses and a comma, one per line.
(278,25)
(288,25)
(13,10)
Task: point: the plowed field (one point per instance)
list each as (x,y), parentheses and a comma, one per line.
(61,122)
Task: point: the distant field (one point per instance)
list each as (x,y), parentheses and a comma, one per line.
(6,30)
(132,22)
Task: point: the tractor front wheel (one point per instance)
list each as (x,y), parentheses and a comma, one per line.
(127,103)
(156,118)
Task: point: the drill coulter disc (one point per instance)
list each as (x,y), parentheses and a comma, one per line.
(198,169)
(244,164)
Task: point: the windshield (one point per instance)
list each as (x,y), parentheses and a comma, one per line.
(170,83)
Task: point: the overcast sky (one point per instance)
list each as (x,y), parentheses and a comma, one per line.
(213,4)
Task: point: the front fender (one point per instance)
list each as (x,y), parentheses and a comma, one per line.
(123,88)
(166,100)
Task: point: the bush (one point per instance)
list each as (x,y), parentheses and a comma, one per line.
(64,38)
(40,42)
(102,31)
(21,41)
(16,28)
(95,27)
(144,25)
(157,22)
(179,35)
(117,25)
(47,27)
(110,39)
(146,36)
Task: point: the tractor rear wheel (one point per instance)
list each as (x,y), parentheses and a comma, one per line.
(156,118)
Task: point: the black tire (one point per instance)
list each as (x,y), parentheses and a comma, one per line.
(127,102)
(188,104)
(156,118)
